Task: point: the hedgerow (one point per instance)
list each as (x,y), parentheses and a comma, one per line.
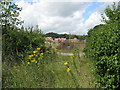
(17,41)
(103,46)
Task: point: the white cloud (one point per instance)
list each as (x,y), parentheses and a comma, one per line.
(58,17)
(93,20)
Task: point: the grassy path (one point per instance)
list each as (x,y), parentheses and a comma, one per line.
(84,77)
(87,73)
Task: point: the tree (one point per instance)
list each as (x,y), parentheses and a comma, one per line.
(112,13)
(9,21)
(9,17)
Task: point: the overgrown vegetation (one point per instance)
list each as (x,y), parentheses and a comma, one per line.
(49,72)
(103,46)
(17,41)
(29,63)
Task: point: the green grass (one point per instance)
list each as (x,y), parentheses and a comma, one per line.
(51,74)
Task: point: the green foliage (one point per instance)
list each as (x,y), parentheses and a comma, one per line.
(112,13)
(103,46)
(8,16)
(17,41)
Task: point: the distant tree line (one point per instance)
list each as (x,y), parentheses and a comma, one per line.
(68,36)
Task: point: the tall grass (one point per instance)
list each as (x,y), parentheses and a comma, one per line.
(50,74)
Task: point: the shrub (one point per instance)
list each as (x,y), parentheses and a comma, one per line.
(103,46)
(18,41)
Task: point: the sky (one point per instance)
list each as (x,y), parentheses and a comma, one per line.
(74,17)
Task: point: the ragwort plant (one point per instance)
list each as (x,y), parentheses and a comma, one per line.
(74,58)
(69,71)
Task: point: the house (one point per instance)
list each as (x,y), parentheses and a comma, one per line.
(74,40)
(58,40)
(49,38)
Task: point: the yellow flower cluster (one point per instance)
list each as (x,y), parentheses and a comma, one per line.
(35,51)
(30,56)
(38,48)
(68,69)
(67,64)
(35,57)
(41,54)
(35,61)
(28,62)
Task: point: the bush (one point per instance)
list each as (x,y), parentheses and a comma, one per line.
(18,41)
(103,46)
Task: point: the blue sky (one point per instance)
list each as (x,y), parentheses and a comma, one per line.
(91,9)
(61,17)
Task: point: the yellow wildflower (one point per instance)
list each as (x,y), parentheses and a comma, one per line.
(66,63)
(35,51)
(30,56)
(28,62)
(68,69)
(33,60)
(41,54)
(38,48)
